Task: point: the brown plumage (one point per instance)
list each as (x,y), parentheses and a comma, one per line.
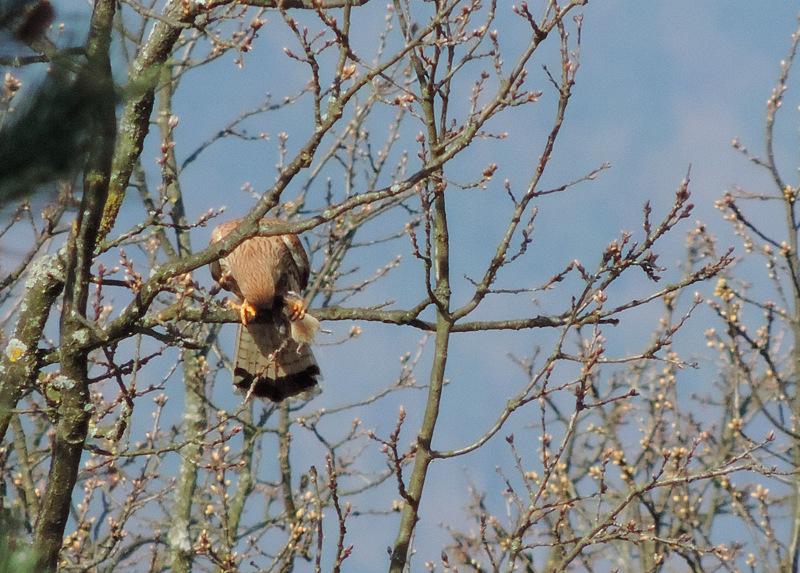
(268,275)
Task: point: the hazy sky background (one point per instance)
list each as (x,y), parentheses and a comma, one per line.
(662,85)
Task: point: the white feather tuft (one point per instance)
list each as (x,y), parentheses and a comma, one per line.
(305,330)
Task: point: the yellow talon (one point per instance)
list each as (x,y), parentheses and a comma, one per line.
(245,310)
(297,310)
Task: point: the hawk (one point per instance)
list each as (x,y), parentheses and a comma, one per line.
(268,274)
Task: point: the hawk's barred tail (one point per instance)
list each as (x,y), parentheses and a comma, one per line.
(275,365)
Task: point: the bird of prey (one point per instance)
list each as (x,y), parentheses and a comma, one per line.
(268,274)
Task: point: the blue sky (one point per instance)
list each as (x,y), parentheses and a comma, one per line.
(662,85)
(668,84)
